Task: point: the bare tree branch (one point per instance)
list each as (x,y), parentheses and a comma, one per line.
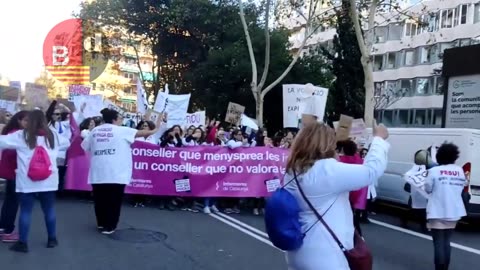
(250,49)
(267,47)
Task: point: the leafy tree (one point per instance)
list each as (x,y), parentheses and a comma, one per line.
(347,94)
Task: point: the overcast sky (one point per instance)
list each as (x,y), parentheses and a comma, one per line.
(24,24)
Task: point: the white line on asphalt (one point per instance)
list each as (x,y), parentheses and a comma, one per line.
(246,226)
(231,224)
(258,234)
(420,235)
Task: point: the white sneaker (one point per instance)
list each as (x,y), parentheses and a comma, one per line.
(256,212)
(214,209)
(206,210)
(108,232)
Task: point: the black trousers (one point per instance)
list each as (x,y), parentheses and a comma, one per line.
(107,199)
(442,248)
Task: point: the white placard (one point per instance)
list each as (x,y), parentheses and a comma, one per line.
(177,107)
(110,105)
(273,185)
(94,104)
(182,185)
(294,101)
(9,106)
(195,119)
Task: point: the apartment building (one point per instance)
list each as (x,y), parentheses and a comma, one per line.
(407,54)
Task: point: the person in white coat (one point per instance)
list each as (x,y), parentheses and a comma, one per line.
(111,166)
(36,133)
(327,183)
(445,207)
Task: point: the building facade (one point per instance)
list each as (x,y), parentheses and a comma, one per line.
(407,57)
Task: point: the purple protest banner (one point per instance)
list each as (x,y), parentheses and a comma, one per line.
(202,171)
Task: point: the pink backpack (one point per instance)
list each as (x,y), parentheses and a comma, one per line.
(39,168)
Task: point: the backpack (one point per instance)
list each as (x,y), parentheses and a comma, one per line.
(282,220)
(39,168)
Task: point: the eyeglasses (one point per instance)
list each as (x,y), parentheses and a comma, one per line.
(8,115)
(56,114)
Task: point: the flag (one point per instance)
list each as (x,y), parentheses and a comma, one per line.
(71,74)
(142,102)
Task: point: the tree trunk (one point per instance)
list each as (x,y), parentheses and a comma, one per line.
(369,92)
(259,110)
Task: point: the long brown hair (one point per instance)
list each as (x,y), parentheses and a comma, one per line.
(314,142)
(37,126)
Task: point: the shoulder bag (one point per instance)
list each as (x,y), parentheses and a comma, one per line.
(360,257)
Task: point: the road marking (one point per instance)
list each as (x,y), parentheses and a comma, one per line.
(240,223)
(263,237)
(424,236)
(231,224)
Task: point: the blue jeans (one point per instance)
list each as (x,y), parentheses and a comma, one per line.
(9,208)
(47,201)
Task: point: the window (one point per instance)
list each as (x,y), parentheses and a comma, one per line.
(433,21)
(462,12)
(439,85)
(406,86)
(476,13)
(387,119)
(420,118)
(395,31)
(377,62)
(409,57)
(129,75)
(423,86)
(475,40)
(391,60)
(411,29)
(464,42)
(380,34)
(424,55)
(379,89)
(127,90)
(131,61)
(403,118)
(447,18)
(437,116)
(433,53)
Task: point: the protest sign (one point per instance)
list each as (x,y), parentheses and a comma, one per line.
(9,93)
(112,106)
(234,113)
(195,119)
(344,127)
(93,105)
(295,100)
(202,171)
(9,106)
(77,90)
(36,96)
(177,106)
(162,100)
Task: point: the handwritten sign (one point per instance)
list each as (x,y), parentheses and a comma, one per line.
(234,113)
(36,96)
(77,90)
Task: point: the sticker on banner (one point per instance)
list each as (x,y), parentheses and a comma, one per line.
(273,184)
(182,185)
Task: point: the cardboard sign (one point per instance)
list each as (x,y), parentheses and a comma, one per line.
(36,96)
(77,90)
(9,106)
(344,127)
(234,113)
(9,93)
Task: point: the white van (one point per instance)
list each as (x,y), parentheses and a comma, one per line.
(406,141)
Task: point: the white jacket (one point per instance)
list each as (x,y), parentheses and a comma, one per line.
(445,185)
(326,184)
(17,142)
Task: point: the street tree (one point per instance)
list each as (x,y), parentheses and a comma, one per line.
(309,11)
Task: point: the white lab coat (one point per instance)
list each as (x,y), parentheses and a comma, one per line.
(445,185)
(327,182)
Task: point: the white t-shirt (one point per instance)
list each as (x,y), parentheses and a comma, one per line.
(24,155)
(111,154)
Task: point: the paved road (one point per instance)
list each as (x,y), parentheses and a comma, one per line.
(154,239)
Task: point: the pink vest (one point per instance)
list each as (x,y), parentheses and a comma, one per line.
(358,198)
